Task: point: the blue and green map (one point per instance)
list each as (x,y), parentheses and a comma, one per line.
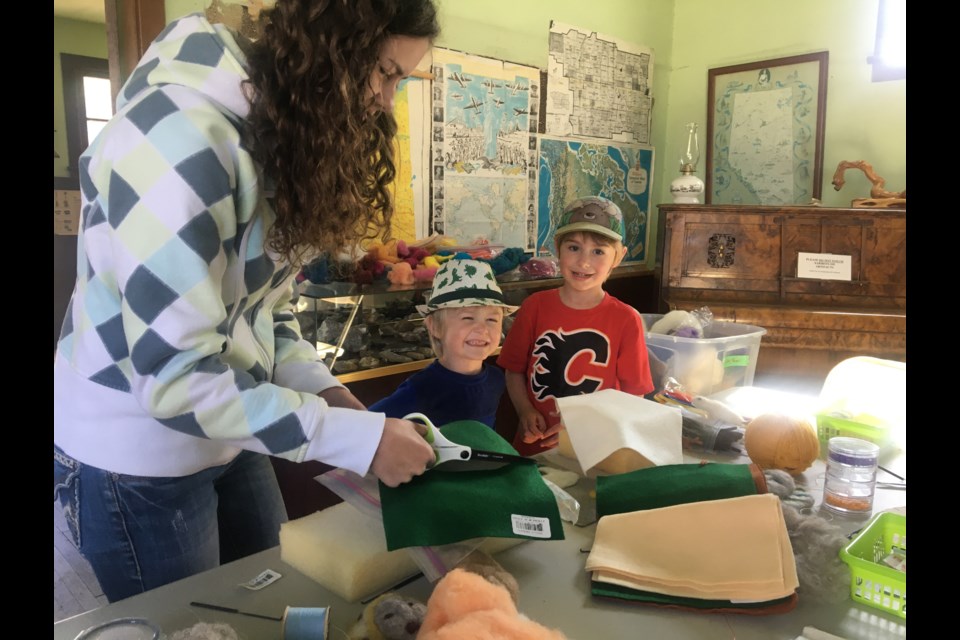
(570,169)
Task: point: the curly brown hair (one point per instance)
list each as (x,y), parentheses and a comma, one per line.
(310,128)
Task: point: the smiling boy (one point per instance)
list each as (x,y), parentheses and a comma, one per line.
(464,318)
(576,338)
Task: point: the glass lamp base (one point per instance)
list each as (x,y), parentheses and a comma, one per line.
(687,189)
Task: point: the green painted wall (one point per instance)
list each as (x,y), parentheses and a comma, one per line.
(865,120)
(79,38)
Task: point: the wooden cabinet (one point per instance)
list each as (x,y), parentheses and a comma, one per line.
(742,263)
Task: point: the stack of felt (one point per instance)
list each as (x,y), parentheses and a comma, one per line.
(730,555)
(672,484)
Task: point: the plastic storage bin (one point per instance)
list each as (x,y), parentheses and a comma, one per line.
(725,357)
(871,581)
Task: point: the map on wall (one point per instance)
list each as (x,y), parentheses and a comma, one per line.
(599,86)
(484,150)
(411,187)
(571,169)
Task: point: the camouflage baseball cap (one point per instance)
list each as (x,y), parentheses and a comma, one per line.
(592,213)
(465,283)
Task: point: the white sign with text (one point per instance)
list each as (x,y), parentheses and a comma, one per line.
(824,266)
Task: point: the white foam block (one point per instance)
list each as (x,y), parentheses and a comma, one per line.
(346,552)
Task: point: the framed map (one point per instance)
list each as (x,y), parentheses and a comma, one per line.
(569,169)
(765,124)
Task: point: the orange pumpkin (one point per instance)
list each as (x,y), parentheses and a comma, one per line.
(781,441)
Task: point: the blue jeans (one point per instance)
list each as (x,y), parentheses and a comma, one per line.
(139,533)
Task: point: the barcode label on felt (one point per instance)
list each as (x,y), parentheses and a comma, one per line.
(531,526)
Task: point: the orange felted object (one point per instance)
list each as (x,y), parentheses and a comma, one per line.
(781,441)
(401,273)
(384,252)
(466,606)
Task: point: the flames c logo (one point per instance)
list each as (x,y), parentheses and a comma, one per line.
(555,351)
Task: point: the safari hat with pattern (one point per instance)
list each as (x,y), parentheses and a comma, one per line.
(465,283)
(592,213)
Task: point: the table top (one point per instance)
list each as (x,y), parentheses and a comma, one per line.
(554,591)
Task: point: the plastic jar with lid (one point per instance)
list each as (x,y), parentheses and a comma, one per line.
(851,475)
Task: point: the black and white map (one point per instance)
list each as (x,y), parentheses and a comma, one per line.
(599,86)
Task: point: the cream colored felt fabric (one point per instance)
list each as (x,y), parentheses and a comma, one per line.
(620,461)
(734,549)
(345,551)
(618,432)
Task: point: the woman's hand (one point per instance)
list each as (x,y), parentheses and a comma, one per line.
(403,452)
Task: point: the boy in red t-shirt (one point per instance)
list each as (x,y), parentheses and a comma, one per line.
(576,338)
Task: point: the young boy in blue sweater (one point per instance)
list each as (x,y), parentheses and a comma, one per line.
(464,317)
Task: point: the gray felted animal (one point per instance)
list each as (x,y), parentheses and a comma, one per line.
(823,576)
(390,616)
(816,542)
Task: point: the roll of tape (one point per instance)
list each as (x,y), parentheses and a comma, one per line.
(305,623)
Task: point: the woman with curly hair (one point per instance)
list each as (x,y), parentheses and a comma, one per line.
(180,367)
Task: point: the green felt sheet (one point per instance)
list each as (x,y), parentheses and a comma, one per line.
(442,506)
(672,484)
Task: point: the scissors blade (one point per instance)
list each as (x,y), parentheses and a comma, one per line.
(481,460)
(480,455)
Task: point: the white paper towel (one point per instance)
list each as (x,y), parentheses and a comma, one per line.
(601,423)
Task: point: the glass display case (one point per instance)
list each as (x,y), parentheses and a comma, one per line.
(369,331)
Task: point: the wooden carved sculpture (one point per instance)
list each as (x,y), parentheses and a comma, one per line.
(879,197)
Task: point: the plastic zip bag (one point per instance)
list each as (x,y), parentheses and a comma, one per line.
(363,492)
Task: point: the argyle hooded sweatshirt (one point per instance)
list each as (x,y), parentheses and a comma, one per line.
(180,347)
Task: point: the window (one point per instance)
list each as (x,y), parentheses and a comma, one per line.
(889,57)
(87,102)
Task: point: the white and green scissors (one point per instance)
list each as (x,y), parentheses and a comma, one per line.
(461,457)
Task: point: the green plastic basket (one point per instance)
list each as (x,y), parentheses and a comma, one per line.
(872,582)
(833,424)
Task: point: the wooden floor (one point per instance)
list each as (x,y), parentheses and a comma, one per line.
(75,588)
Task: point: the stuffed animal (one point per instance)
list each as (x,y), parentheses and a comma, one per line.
(466,606)
(390,616)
